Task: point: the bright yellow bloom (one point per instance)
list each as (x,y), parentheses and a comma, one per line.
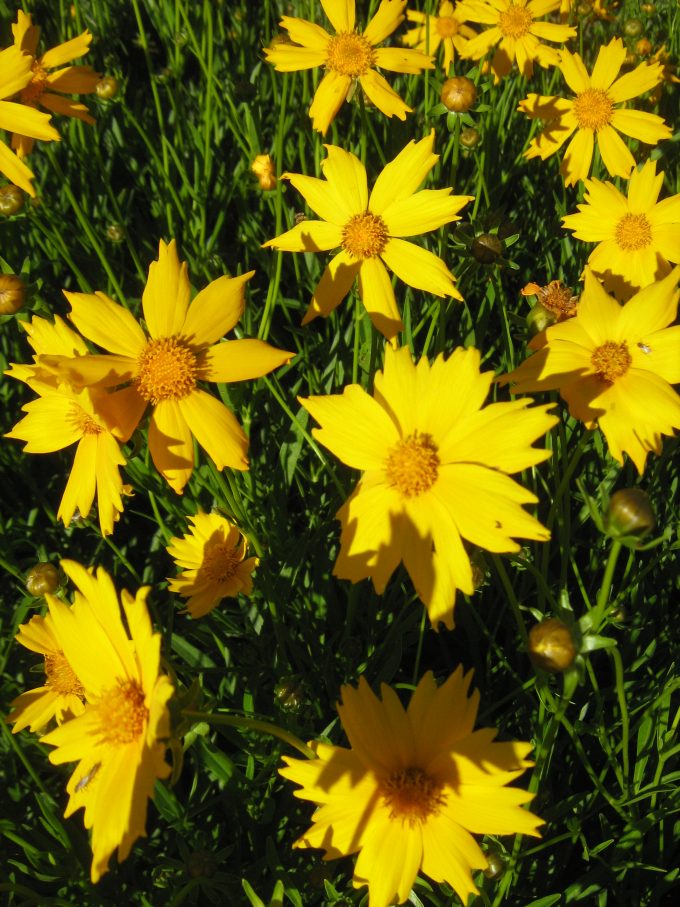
(39,92)
(263,168)
(213,557)
(446,29)
(165,368)
(369,229)
(513,27)
(62,697)
(614,366)
(594,113)
(92,418)
(436,465)
(119,739)
(413,788)
(15,74)
(637,235)
(347,56)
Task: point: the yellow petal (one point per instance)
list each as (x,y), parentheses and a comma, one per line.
(377,295)
(216,429)
(427,210)
(378,91)
(69,50)
(106,323)
(389,16)
(15,170)
(578,157)
(240,360)
(609,60)
(418,268)
(307,34)
(397,59)
(336,282)
(330,95)
(401,177)
(171,445)
(307,236)
(347,174)
(215,310)
(340,14)
(166,295)
(27,121)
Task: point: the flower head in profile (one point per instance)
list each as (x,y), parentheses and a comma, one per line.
(515,32)
(348,56)
(15,75)
(637,235)
(413,788)
(446,30)
(119,740)
(263,168)
(164,369)
(46,89)
(214,565)
(96,420)
(369,231)
(614,365)
(595,113)
(436,465)
(62,696)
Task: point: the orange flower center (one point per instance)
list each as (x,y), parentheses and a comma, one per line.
(412,465)
(35,89)
(83,421)
(558,299)
(123,713)
(611,360)
(61,676)
(220,560)
(447,26)
(365,236)
(633,232)
(412,795)
(593,109)
(350,54)
(515,21)
(167,370)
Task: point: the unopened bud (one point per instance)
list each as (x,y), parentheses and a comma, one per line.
(486,248)
(633,28)
(551,645)
(539,318)
(289,694)
(630,513)
(458,94)
(12,294)
(11,200)
(115,233)
(42,579)
(107,88)
(469,137)
(647,8)
(643,47)
(495,864)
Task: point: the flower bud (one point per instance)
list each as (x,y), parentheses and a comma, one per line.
(263,168)
(643,47)
(11,200)
(469,137)
(633,28)
(539,318)
(486,248)
(630,513)
(458,94)
(647,8)
(495,864)
(107,88)
(551,645)
(630,59)
(41,579)
(289,694)
(12,294)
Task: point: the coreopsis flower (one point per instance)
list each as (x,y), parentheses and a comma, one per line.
(263,168)
(413,788)
(348,56)
(436,466)
(214,565)
(446,30)
(369,231)
(594,113)
(62,696)
(554,297)
(119,740)
(94,419)
(15,74)
(614,366)
(164,369)
(40,91)
(516,30)
(637,235)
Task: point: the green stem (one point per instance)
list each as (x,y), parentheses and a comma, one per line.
(252,724)
(598,613)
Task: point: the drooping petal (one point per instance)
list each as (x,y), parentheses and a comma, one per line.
(578,157)
(615,153)
(336,282)
(379,92)
(389,861)
(171,445)
(15,170)
(66,107)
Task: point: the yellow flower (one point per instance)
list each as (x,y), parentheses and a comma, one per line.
(93,419)
(119,739)
(594,113)
(637,236)
(347,56)
(614,366)
(164,369)
(213,558)
(513,27)
(436,467)
(62,697)
(413,788)
(445,29)
(369,229)
(15,74)
(39,92)
(263,168)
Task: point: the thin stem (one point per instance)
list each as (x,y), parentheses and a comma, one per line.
(252,724)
